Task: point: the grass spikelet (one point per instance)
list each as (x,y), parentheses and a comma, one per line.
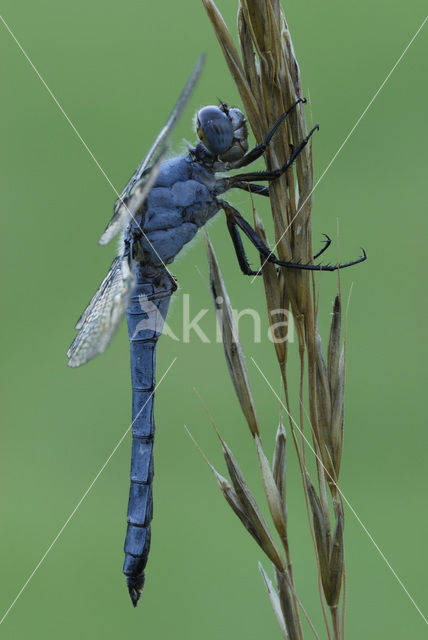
(276,301)
(242,502)
(232,57)
(267,76)
(336,562)
(251,509)
(232,346)
(288,606)
(334,349)
(235,504)
(322,536)
(272,494)
(279,464)
(276,605)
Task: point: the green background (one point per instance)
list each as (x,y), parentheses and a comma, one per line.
(117,68)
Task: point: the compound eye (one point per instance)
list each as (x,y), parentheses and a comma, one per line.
(214,130)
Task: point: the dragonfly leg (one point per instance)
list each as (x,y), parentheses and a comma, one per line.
(234,219)
(327,242)
(273,174)
(259,149)
(264,191)
(239,247)
(259,189)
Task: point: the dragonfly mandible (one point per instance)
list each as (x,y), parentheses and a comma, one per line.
(160,210)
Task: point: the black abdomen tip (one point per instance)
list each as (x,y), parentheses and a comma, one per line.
(135,587)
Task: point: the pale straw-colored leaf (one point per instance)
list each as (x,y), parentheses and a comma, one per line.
(269,272)
(333,354)
(336,378)
(232,58)
(275,600)
(337,414)
(257,17)
(336,563)
(287,602)
(250,68)
(276,605)
(321,532)
(279,465)
(323,403)
(277,303)
(232,346)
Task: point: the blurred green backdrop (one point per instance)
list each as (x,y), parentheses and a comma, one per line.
(117,68)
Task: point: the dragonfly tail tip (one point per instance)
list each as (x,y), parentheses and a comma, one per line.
(135,587)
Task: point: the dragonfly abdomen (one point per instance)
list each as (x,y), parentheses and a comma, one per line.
(146,312)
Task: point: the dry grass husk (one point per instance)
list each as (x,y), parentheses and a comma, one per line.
(267,76)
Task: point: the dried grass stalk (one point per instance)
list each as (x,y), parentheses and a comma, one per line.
(267,76)
(240,497)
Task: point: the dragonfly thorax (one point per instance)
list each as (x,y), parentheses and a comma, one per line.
(223,131)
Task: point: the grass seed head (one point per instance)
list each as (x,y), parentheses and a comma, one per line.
(251,509)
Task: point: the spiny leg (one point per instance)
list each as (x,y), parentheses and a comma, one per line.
(259,189)
(325,247)
(274,173)
(239,249)
(264,191)
(234,219)
(259,149)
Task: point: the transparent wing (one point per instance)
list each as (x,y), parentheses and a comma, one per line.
(124,209)
(129,206)
(101,318)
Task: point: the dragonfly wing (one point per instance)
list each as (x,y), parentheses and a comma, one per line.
(122,209)
(101,318)
(128,206)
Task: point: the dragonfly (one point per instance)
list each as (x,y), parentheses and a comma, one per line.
(159,211)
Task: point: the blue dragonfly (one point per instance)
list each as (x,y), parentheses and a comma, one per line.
(160,210)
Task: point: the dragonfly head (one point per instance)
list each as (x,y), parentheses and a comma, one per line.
(223,131)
